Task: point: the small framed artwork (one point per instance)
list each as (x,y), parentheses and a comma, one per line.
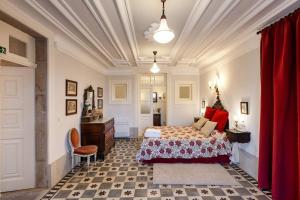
(154,95)
(203,104)
(184,92)
(71,88)
(100,103)
(99,92)
(244,108)
(71,106)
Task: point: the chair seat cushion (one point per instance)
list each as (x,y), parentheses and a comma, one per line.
(85,150)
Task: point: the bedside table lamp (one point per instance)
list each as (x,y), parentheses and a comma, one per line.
(236,120)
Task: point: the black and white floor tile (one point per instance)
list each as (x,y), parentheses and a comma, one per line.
(120,177)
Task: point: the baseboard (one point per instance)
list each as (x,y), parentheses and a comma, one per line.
(249,163)
(58,169)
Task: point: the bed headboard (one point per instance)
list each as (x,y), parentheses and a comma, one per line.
(218,105)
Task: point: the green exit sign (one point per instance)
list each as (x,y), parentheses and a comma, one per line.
(2,50)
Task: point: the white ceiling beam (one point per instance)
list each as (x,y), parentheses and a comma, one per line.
(246,17)
(36,6)
(192,20)
(68,12)
(228,46)
(105,24)
(224,10)
(124,11)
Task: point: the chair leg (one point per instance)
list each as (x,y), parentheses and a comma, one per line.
(88,161)
(95,157)
(72,158)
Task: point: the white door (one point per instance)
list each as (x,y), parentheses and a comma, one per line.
(145,103)
(146,111)
(17,143)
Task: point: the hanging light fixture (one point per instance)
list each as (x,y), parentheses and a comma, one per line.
(163,34)
(154,69)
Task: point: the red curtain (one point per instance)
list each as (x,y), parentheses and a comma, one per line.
(279,147)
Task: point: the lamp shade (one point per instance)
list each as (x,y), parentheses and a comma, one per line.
(163,34)
(154,69)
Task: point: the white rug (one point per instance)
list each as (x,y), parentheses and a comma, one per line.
(192,174)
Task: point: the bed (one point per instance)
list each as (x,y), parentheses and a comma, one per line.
(185,144)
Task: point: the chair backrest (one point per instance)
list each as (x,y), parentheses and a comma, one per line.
(74,138)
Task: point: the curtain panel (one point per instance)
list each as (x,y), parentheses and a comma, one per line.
(279,147)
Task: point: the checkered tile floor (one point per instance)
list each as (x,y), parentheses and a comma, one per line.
(120,177)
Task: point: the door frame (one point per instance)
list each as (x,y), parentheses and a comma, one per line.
(41,111)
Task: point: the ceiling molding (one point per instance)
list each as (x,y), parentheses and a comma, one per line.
(226,7)
(83,58)
(186,62)
(250,32)
(192,20)
(199,43)
(124,11)
(191,71)
(68,12)
(121,63)
(252,12)
(36,6)
(235,53)
(105,24)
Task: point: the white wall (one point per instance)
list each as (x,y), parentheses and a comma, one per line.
(66,67)
(124,114)
(239,81)
(182,114)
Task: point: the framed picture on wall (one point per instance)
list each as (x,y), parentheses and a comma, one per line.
(99,92)
(100,103)
(244,108)
(71,106)
(71,88)
(203,104)
(120,92)
(184,92)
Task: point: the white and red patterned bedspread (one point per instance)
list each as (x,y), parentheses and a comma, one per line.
(184,142)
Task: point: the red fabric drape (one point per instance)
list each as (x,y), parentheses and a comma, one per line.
(279,147)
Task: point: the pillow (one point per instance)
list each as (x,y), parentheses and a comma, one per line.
(208,128)
(198,125)
(209,112)
(221,117)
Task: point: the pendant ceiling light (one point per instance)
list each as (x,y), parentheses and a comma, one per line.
(163,34)
(154,69)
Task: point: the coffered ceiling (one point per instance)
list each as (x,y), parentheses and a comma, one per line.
(112,31)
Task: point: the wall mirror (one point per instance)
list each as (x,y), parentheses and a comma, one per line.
(89,100)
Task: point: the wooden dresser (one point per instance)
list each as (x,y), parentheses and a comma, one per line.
(99,132)
(156,119)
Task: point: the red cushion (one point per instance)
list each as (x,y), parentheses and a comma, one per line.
(209,112)
(221,117)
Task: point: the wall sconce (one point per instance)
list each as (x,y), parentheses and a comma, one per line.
(213,85)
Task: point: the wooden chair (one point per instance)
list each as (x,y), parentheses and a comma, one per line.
(81,151)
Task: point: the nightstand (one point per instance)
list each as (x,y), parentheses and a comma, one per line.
(237,136)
